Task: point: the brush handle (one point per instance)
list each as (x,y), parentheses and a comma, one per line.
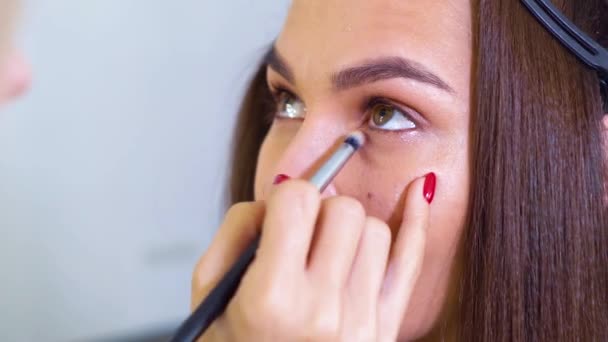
(216,301)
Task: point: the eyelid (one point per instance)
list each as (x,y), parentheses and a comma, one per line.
(409,113)
(279,95)
(277,90)
(276,86)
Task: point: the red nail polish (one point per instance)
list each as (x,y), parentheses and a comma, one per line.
(428,191)
(280,179)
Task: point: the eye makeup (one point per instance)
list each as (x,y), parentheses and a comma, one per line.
(379,113)
(385,116)
(289,106)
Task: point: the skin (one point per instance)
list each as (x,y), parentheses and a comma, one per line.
(369,259)
(383,180)
(15,75)
(359,31)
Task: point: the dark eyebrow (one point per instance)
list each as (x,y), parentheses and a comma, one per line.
(274,60)
(386,68)
(369,71)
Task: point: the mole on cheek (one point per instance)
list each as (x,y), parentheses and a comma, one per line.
(369,196)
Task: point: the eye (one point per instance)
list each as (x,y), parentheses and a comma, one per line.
(289,106)
(387,117)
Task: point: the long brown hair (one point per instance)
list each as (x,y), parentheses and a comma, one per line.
(536,265)
(535,249)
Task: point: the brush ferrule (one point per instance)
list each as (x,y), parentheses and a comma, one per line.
(332,166)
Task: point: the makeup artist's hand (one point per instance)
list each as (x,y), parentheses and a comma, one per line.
(341,285)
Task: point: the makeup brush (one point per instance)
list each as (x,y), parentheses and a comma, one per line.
(217,300)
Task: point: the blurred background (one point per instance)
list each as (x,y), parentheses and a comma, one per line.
(112,168)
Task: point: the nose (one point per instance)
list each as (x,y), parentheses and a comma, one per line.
(312,145)
(15,76)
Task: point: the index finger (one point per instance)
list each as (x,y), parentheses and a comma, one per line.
(289,226)
(406,257)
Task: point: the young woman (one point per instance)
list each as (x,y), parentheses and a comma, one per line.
(477,209)
(14,72)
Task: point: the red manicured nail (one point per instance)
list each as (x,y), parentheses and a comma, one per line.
(280,179)
(428,191)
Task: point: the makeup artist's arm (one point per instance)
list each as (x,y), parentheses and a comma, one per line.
(332,288)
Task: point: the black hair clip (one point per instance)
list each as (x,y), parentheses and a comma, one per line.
(586,49)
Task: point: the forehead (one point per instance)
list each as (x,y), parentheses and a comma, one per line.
(321,36)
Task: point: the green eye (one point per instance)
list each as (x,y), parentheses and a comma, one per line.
(290,107)
(388,118)
(381,114)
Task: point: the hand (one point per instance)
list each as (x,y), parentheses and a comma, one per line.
(324,271)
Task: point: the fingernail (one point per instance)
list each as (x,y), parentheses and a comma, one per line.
(280,179)
(428,191)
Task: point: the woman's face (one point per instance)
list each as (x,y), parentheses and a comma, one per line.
(399,71)
(14,72)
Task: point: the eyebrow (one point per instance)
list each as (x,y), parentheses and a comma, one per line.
(369,71)
(275,61)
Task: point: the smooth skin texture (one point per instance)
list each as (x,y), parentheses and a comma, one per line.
(280,298)
(344,288)
(354,33)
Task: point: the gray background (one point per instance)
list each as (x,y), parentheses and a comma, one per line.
(112,167)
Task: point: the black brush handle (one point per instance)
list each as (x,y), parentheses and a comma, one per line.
(215,303)
(220,296)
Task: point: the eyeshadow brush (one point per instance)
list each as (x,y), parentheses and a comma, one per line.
(215,303)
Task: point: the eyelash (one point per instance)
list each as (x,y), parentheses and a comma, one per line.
(277,91)
(373,101)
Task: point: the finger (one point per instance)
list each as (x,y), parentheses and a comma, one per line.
(288,227)
(364,284)
(240,227)
(406,256)
(338,232)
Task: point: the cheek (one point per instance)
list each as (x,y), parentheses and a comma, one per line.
(379,177)
(272,149)
(379,174)
(268,157)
